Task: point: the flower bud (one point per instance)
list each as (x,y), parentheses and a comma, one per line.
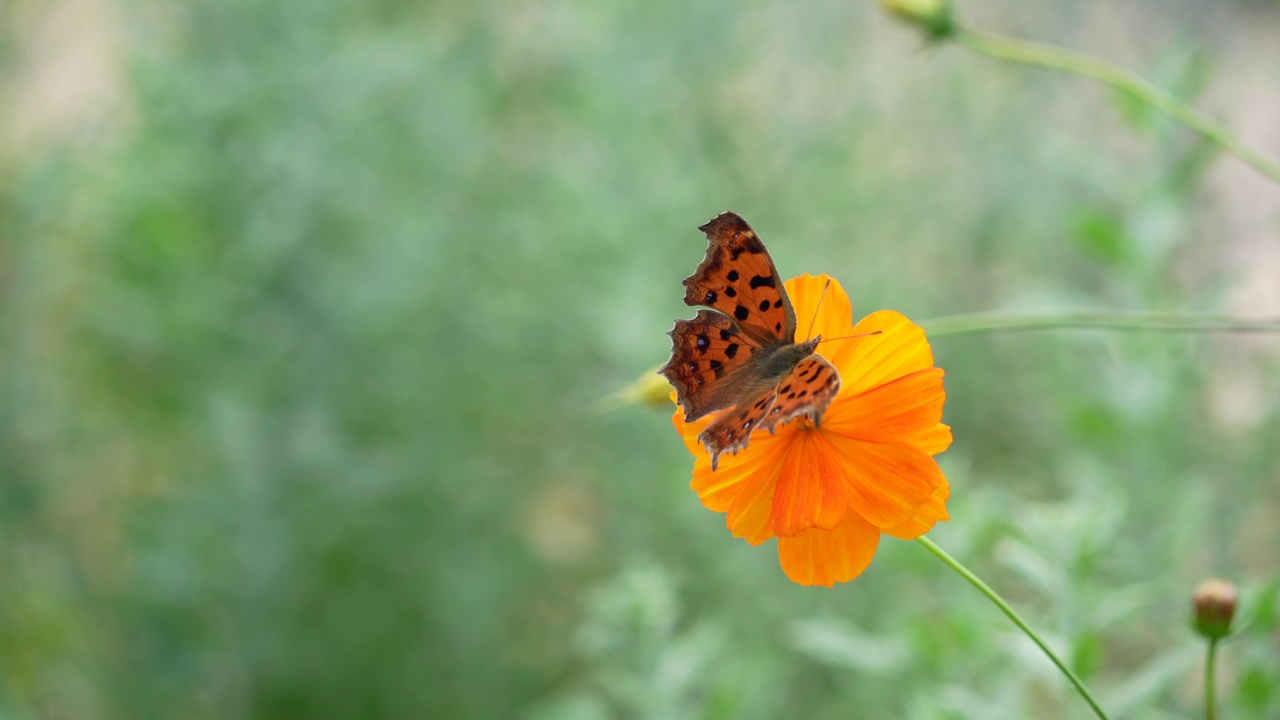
(1214,602)
(933,16)
(649,390)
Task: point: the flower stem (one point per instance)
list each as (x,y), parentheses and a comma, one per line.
(1012,615)
(1116,77)
(1210,711)
(985,322)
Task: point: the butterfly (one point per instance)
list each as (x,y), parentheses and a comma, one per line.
(742,354)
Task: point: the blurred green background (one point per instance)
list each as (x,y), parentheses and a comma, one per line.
(307,308)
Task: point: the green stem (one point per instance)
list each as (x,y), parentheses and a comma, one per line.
(1117,77)
(986,322)
(1210,711)
(1012,615)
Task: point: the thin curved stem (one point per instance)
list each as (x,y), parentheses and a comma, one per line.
(1017,620)
(1210,703)
(1121,79)
(986,322)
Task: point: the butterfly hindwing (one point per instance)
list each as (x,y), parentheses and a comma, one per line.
(807,390)
(704,352)
(738,278)
(733,429)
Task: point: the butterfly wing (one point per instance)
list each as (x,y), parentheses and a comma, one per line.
(810,387)
(806,390)
(738,278)
(705,353)
(733,429)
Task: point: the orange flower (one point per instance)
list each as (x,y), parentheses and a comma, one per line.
(828,493)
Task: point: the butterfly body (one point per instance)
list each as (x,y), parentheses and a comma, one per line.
(782,359)
(741,356)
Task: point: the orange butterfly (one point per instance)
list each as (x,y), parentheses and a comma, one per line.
(743,354)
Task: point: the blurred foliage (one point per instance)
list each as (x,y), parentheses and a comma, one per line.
(307,315)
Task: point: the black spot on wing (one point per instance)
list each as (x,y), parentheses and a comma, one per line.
(709,298)
(760,281)
(730,351)
(741,312)
(733,276)
(730,292)
(764,305)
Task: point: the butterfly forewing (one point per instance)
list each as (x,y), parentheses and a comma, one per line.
(737,277)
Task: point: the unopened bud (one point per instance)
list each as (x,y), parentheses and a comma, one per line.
(649,390)
(933,16)
(1214,601)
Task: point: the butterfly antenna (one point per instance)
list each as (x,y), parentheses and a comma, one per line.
(850,337)
(813,321)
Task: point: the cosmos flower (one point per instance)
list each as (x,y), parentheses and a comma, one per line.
(829,492)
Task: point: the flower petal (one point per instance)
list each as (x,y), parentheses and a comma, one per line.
(749,515)
(933,511)
(826,557)
(933,440)
(907,409)
(821,309)
(889,481)
(743,484)
(812,489)
(736,462)
(719,490)
(868,362)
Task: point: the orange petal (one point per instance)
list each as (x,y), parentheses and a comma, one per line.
(834,313)
(907,409)
(812,488)
(763,449)
(749,515)
(933,440)
(743,484)
(868,362)
(719,490)
(889,481)
(826,557)
(933,511)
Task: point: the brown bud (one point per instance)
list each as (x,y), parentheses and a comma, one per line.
(1214,602)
